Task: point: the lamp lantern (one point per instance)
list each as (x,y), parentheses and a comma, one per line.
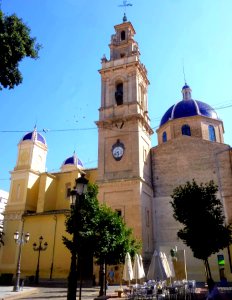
(27,237)
(16,236)
(81,184)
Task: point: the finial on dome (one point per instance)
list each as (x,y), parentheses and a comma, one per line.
(75,159)
(34,133)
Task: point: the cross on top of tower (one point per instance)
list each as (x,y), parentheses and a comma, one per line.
(125,5)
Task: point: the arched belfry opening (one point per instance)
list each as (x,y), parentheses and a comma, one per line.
(123,35)
(119,93)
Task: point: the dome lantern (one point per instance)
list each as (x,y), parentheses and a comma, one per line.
(186,91)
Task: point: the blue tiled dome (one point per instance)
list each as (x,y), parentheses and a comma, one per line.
(188,108)
(73,160)
(34,136)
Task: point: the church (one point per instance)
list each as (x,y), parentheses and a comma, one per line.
(134,178)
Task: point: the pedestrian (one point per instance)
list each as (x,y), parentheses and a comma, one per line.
(213,293)
(111,276)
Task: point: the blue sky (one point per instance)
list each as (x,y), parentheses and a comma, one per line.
(61,90)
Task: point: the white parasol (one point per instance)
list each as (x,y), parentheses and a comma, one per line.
(137,270)
(159,267)
(127,269)
(141,264)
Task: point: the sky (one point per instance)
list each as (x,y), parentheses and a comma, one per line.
(61,90)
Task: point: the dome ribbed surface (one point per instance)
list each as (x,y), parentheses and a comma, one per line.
(72,161)
(34,136)
(188,108)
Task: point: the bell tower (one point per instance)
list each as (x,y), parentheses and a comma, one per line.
(124,168)
(31,161)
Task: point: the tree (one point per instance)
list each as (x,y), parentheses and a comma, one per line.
(201,212)
(15,44)
(113,239)
(100,233)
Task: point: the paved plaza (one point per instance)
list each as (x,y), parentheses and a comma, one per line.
(42,293)
(60,293)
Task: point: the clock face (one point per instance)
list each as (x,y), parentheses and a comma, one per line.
(118,150)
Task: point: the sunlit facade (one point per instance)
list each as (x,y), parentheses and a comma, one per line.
(134,178)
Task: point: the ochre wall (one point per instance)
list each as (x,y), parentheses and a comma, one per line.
(175,162)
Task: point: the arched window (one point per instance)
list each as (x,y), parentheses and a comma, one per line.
(186,130)
(119,93)
(212,136)
(123,35)
(164,137)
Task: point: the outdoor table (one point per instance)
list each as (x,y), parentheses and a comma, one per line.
(120,292)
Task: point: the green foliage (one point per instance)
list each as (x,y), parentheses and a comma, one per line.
(201,212)
(100,230)
(113,238)
(15,44)
(85,222)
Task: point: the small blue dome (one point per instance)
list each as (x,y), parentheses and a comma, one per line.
(73,160)
(188,108)
(34,136)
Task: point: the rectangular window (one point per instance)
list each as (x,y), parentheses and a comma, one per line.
(119,212)
(144,155)
(68,189)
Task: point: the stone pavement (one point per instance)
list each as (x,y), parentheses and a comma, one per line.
(57,290)
(6,292)
(42,293)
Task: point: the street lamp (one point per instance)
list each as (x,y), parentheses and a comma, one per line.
(75,203)
(20,239)
(39,248)
(173,253)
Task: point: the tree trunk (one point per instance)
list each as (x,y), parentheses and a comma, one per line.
(101,279)
(105,279)
(207,269)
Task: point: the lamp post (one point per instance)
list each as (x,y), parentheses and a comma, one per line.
(75,203)
(20,239)
(173,253)
(39,248)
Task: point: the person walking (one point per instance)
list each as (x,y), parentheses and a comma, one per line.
(214,293)
(111,276)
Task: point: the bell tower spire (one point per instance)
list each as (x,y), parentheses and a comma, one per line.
(125,5)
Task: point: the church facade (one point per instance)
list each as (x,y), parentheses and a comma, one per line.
(134,178)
